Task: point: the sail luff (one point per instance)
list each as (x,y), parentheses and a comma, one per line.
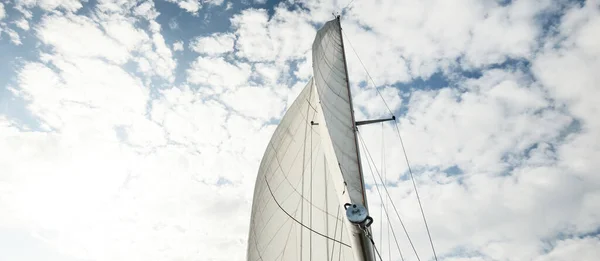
(366,248)
(360,172)
(338,117)
(330,78)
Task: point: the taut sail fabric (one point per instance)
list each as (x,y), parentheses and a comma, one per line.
(296,214)
(331,79)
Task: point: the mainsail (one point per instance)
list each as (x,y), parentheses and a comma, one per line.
(311,170)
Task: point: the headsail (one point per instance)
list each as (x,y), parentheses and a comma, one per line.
(310,169)
(296,214)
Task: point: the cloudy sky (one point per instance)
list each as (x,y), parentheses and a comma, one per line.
(133,130)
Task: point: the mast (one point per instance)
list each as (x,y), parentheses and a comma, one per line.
(363,249)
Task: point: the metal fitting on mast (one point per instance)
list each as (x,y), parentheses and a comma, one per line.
(359,215)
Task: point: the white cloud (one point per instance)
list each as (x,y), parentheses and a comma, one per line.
(23,24)
(188,122)
(216,2)
(420,38)
(112,147)
(13,35)
(255,102)
(79,91)
(2,11)
(371,102)
(523,180)
(173,25)
(50,5)
(191,6)
(178,46)
(584,249)
(213,45)
(146,10)
(269,73)
(304,70)
(80,37)
(116,40)
(125,33)
(287,35)
(218,73)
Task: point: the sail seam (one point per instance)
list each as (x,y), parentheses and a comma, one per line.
(310,229)
(335,233)
(294,188)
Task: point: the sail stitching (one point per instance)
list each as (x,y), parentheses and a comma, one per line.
(294,188)
(335,232)
(282,225)
(287,240)
(272,215)
(310,229)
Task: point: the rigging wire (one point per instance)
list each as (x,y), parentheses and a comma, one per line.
(381,198)
(381,209)
(348,5)
(416,192)
(311,187)
(368,74)
(403,148)
(370,237)
(384,170)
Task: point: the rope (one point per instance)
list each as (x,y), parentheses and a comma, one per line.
(381,198)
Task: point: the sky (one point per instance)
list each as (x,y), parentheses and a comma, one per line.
(133,129)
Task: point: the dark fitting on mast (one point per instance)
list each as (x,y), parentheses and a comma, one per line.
(358,214)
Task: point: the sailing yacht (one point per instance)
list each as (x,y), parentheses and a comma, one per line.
(309,198)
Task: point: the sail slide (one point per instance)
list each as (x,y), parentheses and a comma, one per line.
(311,169)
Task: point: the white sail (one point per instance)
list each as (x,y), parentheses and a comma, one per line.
(331,80)
(310,169)
(296,214)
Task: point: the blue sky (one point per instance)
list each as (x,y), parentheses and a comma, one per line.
(123,123)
